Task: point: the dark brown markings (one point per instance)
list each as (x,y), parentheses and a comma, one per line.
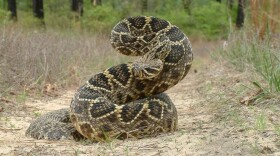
(119,96)
(147,30)
(159,49)
(149,37)
(124,51)
(156,109)
(175,34)
(121,27)
(137,22)
(122,136)
(176,54)
(112,118)
(77,136)
(175,74)
(128,39)
(128,99)
(99,109)
(140,85)
(88,93)
(138,45)
(121,73)
(164,98)
(129,112)
(142,95)
(158,24)
(100,80)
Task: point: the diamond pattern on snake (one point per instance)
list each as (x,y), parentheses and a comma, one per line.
(126,100)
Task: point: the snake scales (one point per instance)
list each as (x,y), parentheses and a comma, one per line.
(126,100)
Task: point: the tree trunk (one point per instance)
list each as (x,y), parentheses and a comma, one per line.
(240,14)
(77,6)
(96,2)
(12,7)
(38,9)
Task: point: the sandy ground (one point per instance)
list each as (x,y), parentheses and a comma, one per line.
(211,121)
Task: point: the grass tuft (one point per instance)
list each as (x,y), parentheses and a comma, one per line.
(261,122)
(248,53)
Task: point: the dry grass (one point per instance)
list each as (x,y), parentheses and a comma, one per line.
(247,52)
(40,60)
(265,16)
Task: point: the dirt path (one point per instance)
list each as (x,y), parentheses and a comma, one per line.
(211,121)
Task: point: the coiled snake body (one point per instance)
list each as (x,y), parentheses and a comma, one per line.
(126,100)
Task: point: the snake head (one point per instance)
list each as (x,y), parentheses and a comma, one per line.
(147,69)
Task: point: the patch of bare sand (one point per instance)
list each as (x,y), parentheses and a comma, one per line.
(211,122)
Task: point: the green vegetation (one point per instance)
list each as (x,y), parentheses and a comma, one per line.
(247,52)
(207,19)
(261,122)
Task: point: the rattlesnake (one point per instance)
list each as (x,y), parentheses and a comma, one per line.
(126,100)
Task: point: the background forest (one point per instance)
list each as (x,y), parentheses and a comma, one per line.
(204,18)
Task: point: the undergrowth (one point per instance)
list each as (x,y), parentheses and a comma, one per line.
(249,53)
(39,60)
